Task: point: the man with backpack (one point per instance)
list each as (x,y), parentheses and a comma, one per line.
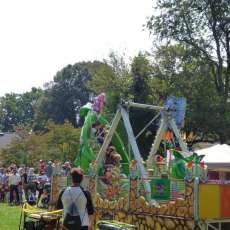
(77,204)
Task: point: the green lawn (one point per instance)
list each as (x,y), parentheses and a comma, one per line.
(9,217)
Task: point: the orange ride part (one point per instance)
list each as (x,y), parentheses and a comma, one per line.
(168,135)
(225,201)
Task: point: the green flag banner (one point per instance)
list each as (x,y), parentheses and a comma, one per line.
(160,189)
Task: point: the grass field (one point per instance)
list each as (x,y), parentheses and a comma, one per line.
(9,217)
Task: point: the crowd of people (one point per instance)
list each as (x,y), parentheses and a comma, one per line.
(23,183)
(26,184)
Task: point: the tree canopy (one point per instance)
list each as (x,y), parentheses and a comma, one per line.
(65,94)
(177,68)
(203,25)
(18,109)
(59,142)
(185,74)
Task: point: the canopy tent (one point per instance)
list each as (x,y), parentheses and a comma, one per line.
(217,157)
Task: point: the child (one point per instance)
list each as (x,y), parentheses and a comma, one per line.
(31,198)
(44,200)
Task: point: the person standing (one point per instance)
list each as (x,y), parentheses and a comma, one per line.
(49,170)
(2,193)
(14,181)
(66,168)
(42,179)
(6,185)
(42,166)
(80,198)
(31,183)
(21,172)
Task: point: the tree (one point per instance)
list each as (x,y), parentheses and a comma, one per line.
(203,25)
(59,142)
(28,102)
(9,111)
(141,71)
(122,81)
(114,78)
(142,75)
(183,73)
(65,94)
(18,109)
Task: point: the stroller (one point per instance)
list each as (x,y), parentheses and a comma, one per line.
(33,218)
(31,198)
(43,202)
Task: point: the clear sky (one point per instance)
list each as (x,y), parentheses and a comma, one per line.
(40,37)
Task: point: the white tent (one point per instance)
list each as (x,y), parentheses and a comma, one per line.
(216,157)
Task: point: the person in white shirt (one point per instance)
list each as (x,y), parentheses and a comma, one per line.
(31,183)
(76,194)
(14,180)
(42,179)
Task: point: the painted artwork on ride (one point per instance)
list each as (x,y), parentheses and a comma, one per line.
(160,189)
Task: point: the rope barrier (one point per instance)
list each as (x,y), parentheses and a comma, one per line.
(32,210)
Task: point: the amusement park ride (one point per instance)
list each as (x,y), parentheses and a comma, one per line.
(167,122)
(197,204)
(163,193)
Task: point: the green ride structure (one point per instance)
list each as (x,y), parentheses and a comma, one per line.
(87,153)
(99,136)
(164,192)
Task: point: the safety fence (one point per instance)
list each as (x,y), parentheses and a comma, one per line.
(162,189)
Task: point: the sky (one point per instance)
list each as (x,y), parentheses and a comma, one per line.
(40,37)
